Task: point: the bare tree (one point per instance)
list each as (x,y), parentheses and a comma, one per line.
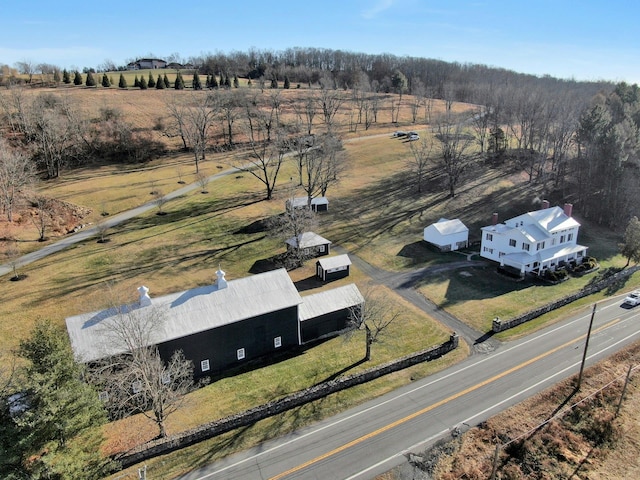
(159,200)
(329,101)
(292,224)
(16,172)
(374,315)
(480,124)
(306,112)
(138,380)
(265,157)
(12,254)
(26,67)
(422,158)
(202,179)
(43,217)
(454,159)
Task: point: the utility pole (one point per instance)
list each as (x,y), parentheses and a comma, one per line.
(586,346)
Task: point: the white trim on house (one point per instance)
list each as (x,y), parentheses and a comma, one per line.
(534,241)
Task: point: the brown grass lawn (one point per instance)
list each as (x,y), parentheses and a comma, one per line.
(375,211)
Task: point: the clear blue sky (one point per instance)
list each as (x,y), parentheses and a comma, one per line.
(585,40)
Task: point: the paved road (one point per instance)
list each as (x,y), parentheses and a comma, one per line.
(370,439)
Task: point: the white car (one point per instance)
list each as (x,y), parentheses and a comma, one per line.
(633,298)
(413,136)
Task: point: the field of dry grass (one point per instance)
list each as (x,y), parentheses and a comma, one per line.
(375,211)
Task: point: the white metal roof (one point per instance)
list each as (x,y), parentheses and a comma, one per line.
(188,312)
(308,240)
(298,202)
(329,301)
(328,263)
(449,227)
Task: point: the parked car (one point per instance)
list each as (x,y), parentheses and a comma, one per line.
(633,298)
(413,136)
(399,133)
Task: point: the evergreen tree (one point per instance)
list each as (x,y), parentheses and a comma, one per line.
(287,85)
(236,81)
(66,78)
(160,83)
(143,83)
(167,83)
(151,83)
(197,85)
(123,82)
(77,79)
(136,82)
(105,80)
(90,81)
(208,81)
(274,83)
(57,436)
(56,76)
(214,81)
(249,83)
(179,83)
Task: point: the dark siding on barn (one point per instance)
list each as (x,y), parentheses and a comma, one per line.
(324,325)
(220,345)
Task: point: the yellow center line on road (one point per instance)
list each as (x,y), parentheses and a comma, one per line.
(437,404)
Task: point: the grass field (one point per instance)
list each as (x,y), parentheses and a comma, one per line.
(375,212)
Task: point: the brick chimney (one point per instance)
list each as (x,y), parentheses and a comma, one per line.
(494,219)
(220,281)
(568,209)
(545,204)
(145,300)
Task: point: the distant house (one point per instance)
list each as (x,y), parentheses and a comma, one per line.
(217,326)
(447,235)
(318,204)
(326,313)
(534,241)
(311,243)
(147,63)
(333,268)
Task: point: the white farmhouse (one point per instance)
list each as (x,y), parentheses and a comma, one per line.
(534,241)
(447,235)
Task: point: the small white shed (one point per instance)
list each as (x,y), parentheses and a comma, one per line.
(447,235)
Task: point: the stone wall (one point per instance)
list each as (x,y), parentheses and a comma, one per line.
(500,325)
(249,417)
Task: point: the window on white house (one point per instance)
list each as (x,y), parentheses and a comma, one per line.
(512,243)
(136,386)
(501,254)
(525,246)
(490,237)
(562,237)
(204,365)
(240,353)
(277,342)
(165,378)
(570,237)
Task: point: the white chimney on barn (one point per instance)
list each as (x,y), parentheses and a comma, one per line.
(145,300)
(220,281)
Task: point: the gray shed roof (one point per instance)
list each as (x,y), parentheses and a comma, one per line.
(299,202)
(329,301)
(308,240)
(187,312)
(327,263)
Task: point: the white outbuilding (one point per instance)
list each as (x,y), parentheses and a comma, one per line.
(447,235)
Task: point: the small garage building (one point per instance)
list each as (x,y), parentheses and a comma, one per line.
(333,268)
(447,235)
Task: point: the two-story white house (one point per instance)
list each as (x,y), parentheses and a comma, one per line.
(534,241)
